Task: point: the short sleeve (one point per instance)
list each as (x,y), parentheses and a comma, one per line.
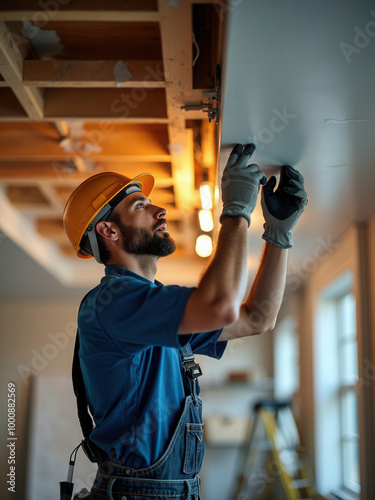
(207,343)
(142,314)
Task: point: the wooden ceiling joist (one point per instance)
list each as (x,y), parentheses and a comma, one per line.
(62,128)
(11,67)
(80,15)
(106,95)
(144,74)
(25,197)
(176,33)
(51,228)
(137,10)
(105,103)
(62,173)
(49,193)
(106,141)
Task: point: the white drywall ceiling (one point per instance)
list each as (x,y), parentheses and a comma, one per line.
(299,80)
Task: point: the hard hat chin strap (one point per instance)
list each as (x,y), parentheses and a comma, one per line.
(91,232)
(103,215)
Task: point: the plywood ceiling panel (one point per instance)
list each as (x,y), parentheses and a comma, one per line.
(100,40)
(105,103)
(9,105)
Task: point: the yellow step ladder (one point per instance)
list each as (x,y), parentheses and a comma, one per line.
(274,461)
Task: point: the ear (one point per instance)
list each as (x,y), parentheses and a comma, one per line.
(108,230)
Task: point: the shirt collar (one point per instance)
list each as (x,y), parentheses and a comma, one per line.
(115,270)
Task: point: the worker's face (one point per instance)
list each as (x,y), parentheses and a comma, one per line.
(143,227)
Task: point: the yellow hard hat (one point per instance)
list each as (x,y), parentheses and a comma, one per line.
(92,201)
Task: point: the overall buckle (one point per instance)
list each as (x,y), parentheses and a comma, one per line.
(193,369)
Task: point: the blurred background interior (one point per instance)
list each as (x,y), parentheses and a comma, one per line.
(118,85)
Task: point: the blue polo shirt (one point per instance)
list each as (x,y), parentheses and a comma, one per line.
(129,354)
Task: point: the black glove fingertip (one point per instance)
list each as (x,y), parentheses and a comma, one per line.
(271,183)
(237,150)
(249,149)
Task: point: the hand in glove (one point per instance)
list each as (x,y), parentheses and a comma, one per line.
(240,183)
(283,207)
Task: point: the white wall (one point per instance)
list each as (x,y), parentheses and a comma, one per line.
(353,252)
(26,344)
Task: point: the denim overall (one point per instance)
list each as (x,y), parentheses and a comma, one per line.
(174,475)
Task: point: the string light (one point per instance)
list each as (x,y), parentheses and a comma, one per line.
(206,197)
(203,245)
(206,220)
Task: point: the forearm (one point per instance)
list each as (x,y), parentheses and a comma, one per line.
(266,294)
(259,311)
(216,301)
(225,278)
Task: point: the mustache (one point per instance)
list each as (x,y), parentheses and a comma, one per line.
(160,223)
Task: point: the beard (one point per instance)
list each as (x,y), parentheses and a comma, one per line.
(139,241)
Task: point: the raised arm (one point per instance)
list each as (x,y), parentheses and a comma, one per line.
(217,299)
(281,210)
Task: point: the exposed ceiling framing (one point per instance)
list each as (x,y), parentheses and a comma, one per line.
(91,86)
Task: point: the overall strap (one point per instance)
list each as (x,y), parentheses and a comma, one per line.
(192,369)
(92,451)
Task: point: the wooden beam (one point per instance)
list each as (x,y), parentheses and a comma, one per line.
(24,197)
(176,37)
(105,103)
(208,145)
(62,128)
(136,121)
(51,228)
(36,172)
(102,141)
(79,15)
(49,193)
(11,68)
(145,74)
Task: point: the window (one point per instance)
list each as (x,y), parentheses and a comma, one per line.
(348,376)
(335,379)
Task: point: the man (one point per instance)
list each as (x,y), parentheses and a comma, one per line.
(142,394)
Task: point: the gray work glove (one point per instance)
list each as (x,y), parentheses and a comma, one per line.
(240,183)
(283,207)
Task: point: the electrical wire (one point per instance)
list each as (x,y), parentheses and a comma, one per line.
(76,451)
(197,49)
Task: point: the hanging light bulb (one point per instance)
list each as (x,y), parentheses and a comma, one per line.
(203,245)
(206,220)
(206,197)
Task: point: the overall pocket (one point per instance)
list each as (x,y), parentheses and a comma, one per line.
(194,448)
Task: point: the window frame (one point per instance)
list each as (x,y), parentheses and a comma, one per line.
(344,388)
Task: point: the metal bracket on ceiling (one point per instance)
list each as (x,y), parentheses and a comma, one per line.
(214,97)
